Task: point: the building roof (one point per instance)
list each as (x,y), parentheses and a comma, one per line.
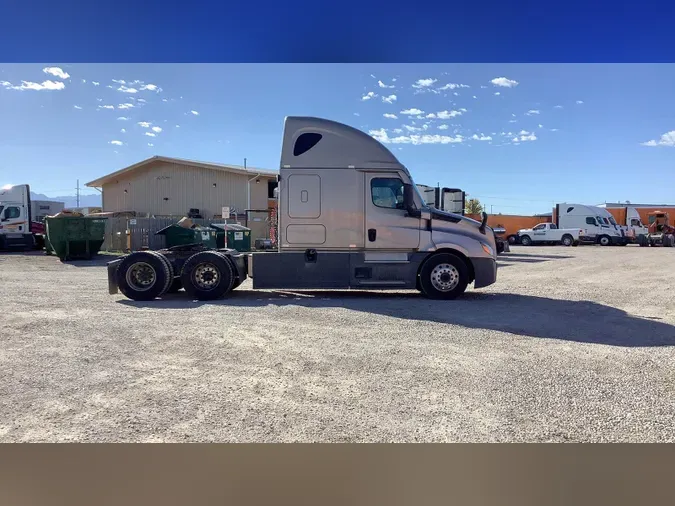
(628,204)
(238,169)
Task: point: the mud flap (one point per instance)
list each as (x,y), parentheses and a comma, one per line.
(112,276)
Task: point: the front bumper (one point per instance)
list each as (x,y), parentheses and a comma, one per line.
(112,276)
(485,271)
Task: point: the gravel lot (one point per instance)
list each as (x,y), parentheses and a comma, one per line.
(571,344)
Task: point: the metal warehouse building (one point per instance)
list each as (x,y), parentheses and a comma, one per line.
(170,187)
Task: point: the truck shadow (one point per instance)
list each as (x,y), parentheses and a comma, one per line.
(525,315)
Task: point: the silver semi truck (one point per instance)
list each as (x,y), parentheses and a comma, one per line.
(349,217)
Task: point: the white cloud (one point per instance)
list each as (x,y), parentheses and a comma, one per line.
(424,83)
(382,85)
(449,114)
(667,139)
(95,83)
(412,112)
(557,106)
(481,137)
(124,130)
(580,101)
(124,89)
(390,99)
(77,107)
(456,94)
(390,116)
(532,112)
(177,126)
(157,129)
(116,143)
(141,100)
(28,85)
(150,134)
(123,118)
(144,124)
(483,87)
(109,86)
(151,87)
(415,139)
(475,96)
(524,136)
(452,86)
(504,82)
(106,107)
(443,127)
(412,128)
(368,96)
(373,76)
(497,93)
(125,106)
(150,144)
(99,100)
(119,81)
(540,125)
(195,113)
(164,100)
(56,72)
(513,121)
(554,129)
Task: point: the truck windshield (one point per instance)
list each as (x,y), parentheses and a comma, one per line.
(1,208)
(612,221)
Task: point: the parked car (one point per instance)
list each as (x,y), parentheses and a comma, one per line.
(549,233)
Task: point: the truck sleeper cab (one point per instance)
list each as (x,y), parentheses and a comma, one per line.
(597,224)
(350,216)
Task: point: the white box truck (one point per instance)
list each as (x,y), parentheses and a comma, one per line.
(18,228)
(598,225)
(349,217)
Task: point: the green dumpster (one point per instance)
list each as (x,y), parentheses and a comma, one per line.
(74,237)
(233,236)
(180,236)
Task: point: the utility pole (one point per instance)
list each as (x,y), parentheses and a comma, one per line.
(78,193)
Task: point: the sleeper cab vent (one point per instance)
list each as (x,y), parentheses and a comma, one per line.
(305,142)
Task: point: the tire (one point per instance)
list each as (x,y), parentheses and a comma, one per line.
(643,241)
(526,241)
(444,276)
(567,240)
(668,241)
(604,240)
(143,276)
(207,275)
(168,266)
(512,239)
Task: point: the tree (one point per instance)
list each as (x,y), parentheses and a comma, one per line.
(473,206)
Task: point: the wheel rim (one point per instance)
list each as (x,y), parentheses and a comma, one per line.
(206,276)
(141,276)
(604,241)
(444,277)
(566,241)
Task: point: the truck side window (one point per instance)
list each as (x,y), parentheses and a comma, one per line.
(12,212)
(539,227)
(635,223)
(554,226)
(387,192)
(590,221)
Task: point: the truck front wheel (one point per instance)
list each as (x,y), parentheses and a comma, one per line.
(443,276)
(604,240)
(526,241)
(207,275)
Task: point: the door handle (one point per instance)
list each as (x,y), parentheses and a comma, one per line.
(372,234)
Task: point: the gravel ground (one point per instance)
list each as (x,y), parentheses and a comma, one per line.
(571,344)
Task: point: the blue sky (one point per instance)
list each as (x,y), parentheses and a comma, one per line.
(518,136)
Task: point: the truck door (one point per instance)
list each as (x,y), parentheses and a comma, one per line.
(387,225)
(539,231)
(13,221)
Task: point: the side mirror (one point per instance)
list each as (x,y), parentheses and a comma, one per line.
(483,223)
(408,198)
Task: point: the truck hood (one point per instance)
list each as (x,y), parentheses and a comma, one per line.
(443,221)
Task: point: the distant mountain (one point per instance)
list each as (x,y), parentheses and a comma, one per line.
(71,200)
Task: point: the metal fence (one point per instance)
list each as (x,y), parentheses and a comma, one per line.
(134,234)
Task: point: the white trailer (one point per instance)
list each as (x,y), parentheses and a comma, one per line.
(349,216)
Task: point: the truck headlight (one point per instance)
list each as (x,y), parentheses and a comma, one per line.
(487,249)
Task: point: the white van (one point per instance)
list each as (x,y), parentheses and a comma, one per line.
(598,224)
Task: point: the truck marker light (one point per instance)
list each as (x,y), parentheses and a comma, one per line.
(487,249)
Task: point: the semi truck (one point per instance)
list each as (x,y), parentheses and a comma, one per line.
(597,224)
(349,217)
(18,228)
(628,218)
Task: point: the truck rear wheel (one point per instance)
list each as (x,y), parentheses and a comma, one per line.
(526,241)
(443,276)
(567,240)
(143,276)
(207,275)
(512,239)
